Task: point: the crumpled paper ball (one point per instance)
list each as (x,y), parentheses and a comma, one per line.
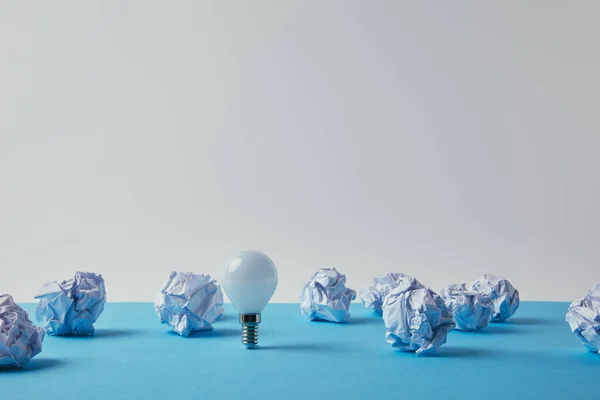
(189,302)
(416,318)
(71,307)
(20,340)
(583,317)
(504,296)
(382,285)
(326,297)
(471,310)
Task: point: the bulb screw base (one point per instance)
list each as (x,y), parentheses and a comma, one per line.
(250,329)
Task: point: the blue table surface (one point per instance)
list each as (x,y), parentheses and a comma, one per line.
(132,356)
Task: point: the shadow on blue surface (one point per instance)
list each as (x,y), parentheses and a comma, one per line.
(300,347)
(352,321)
(591,359)
(448,351)
(375,319)
(115,332)
(491,330)
(213,333)
(36,365)
(101,333)
(527,321)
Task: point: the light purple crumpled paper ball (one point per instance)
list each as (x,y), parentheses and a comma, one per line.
(504,296)
(325,296)
(583,317)
(416,318)
(72,306)
(382,285)
(189,302)
(471,310)
(20,340)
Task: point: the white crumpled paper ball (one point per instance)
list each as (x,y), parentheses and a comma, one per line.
(416,318)
(326,297)
(71,307)
(189,302)
(20,340)
(583,317)
(503,294)
(471,310)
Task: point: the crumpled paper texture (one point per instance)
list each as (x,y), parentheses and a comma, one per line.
(326,296)
(382,285)
(583,317)
(189,302)
(71,307)
(416,318)
(20,340)
(504,296)
(471,310)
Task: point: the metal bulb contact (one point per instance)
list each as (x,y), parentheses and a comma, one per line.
(250,329)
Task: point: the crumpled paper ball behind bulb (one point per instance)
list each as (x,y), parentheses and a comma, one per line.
(583,317)
(326,297)
(20,340)
(416,318)
(189,302)
(71,307)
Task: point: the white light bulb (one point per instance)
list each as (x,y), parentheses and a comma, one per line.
(250,279)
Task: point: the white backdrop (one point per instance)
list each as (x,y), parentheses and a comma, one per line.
(440,139)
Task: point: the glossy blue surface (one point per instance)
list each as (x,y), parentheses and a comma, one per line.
(531,356)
